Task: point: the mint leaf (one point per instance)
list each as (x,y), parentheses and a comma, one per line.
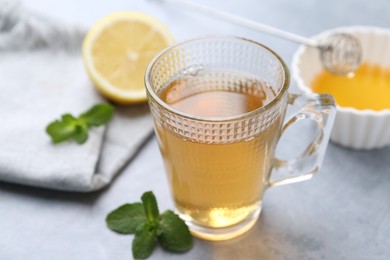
(68,119)
(144,241)
(150,206)
(98,114)
(174,234)
(61,130)
(69,127)
(81,133)
(126,218)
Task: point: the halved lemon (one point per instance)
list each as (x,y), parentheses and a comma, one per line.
(117,50)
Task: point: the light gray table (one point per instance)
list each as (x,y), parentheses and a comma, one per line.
(343,213)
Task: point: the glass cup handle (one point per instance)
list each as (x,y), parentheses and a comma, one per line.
(322,110)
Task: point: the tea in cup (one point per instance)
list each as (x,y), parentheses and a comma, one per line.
(219,106)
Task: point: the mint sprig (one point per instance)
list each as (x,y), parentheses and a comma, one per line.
(144,220)
(72,128)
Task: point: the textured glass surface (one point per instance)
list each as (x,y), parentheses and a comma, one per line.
(224,54)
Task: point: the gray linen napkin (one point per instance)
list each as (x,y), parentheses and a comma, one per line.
(41,77)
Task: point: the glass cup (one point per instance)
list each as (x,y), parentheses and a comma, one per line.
(218,167)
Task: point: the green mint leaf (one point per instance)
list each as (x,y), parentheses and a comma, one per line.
(62,130)
(150,206)
(81,134)
(144,241)
(127,218)
(98,115)
(174,234)
(68,119)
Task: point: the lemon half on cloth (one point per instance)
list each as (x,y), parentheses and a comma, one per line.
(117,50)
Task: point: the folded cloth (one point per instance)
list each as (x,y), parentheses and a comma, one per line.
(42,77)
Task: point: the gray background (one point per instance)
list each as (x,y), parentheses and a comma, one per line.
(343,213)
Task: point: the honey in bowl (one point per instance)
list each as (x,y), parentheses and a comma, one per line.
(368,88)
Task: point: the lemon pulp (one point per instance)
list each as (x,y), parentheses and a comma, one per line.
(117,50)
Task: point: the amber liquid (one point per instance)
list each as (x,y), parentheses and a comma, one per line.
(217,184)
(368,88)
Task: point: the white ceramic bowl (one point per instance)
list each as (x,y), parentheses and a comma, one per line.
(358,129)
